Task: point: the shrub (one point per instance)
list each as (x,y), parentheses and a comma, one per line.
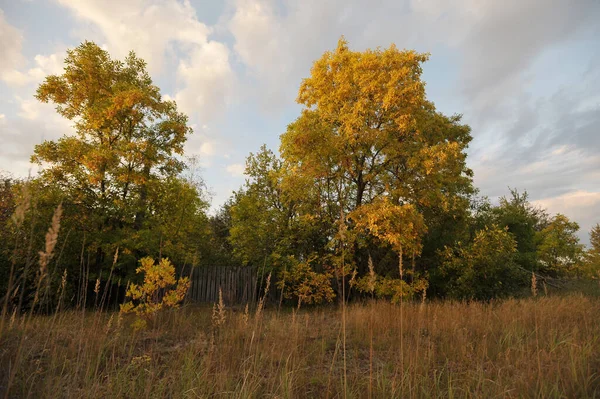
(306,285)
(160,289)
(484,268)
(391,288)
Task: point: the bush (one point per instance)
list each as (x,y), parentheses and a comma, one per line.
(485,268)
(305,285)
(159,290)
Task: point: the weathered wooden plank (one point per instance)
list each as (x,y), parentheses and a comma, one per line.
(204,283)
(239,285)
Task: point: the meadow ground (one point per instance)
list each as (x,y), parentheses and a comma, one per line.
(543,347)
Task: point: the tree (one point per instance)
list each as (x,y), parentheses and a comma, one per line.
(523,221)
(484,268)
(258,215)
(367,133)
(7,207)
(218,249)
(592,256)
(178,224)
(119,177)
(124,147)
(559,251)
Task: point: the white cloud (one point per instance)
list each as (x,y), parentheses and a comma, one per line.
(207,148)
(45,114)
(147,27)
(30,109)
(10,47)
(45,65)
(12,59)
(34,123)
(560,150)
(207,80)
(235,169)
(568,201)
(258,34)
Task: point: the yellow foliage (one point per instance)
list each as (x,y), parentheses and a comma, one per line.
(159,290)
(401,226)
(306,285)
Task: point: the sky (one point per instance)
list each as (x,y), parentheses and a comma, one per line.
(525,75)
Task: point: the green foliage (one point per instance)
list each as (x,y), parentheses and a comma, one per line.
(523,221)
(217,249)
(119,178)
(267,224)
(7,207)
(391,288)
(258,214)
(484,268)
(591,265)
(559,251)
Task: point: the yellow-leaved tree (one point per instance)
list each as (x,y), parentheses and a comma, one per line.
(369,145)
(159,290)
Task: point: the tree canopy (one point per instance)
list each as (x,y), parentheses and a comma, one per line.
(118,176)
(369,194)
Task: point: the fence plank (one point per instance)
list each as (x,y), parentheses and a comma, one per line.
(237,284)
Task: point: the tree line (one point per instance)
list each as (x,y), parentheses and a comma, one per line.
(369,195)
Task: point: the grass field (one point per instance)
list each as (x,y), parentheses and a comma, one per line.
(544,347)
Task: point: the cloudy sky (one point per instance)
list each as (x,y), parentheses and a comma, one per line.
(524,73)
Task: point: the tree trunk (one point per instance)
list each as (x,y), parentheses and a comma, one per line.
(141,212)
(412,276)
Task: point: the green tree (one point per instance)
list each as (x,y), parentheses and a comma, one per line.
(267,228)
(124,147)
(559,251)
(524,221)
(119,177)
(7,207)
(218,249)
(258,213)
(484,268)
(592,255)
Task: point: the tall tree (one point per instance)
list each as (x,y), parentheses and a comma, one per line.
(524,221)
(367,132)
(126,138)
(559,251)
(592,256)
(258,214)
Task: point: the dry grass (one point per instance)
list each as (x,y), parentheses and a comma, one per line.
(547,347)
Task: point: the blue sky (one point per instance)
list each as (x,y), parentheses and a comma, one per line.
(525,75)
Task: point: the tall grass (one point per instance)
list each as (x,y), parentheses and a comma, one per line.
(542,347)
(538,347)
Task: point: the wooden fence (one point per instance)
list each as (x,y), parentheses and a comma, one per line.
(238,284)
